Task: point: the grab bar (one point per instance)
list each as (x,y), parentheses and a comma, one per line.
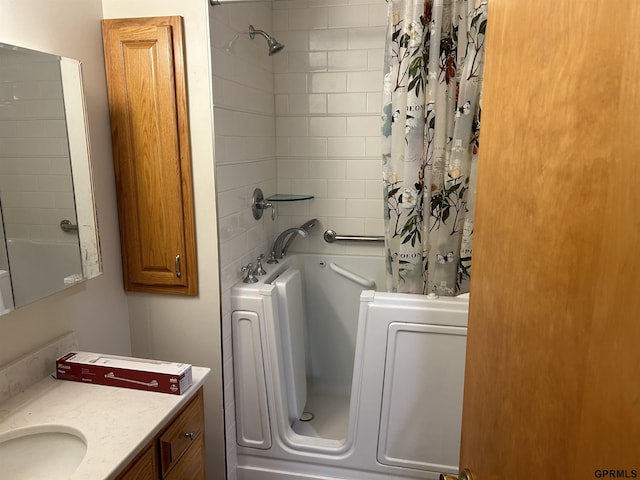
(331,236)
(67,226)
(354,277)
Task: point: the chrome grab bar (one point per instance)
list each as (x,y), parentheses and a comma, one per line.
(67,226)
(331,236)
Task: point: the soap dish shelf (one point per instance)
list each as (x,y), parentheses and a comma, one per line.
(259,204)
(288,197)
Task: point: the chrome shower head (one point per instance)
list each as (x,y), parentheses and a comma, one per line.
(274,45)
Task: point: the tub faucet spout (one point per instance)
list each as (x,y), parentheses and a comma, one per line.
(281,244)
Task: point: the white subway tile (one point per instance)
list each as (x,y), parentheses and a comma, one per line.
(19,183)
(327,126)
(281,62)
(289,4)
(328,82)
(375,59)
(313,103)
(230,201)
(294,41)
(223,121)
(308,146)
(291,127)
(294,168)
(293,208)
(315,187)
(364,81)
(307,19)
(228,228)
(374,226)
(346,189)
(373,188)
(378,14)
(322,3)
(337,39)
(55,183)
(349,16)
(57,166)
(347,60)
(346,226)
(364,169)
(308,61)
(282,104)
(373,147)
(347,103)
(326,207)
(290,83)
(365,38)
(280,21)
(363,126)
(327,169)
(284,185)
(364,208)
(346,146)
(282,147)
(28,199)
(374,102)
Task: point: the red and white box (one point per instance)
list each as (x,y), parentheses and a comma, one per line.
(127,372)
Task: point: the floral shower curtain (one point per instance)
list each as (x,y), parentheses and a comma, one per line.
(430,125)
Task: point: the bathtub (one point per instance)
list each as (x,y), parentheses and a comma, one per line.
(336,380)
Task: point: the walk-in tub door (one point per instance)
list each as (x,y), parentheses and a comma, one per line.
(252,410)
(421,415)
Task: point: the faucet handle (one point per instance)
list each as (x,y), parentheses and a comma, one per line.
(259,270)
(272,258)
(250,278)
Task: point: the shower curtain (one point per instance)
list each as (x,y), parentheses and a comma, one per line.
(430,127)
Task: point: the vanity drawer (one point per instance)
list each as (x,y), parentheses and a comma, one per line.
(191,465)
(183,432)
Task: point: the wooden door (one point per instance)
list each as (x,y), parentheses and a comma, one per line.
(146,82)
(552,387)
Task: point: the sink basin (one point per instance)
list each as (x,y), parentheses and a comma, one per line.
(40,453)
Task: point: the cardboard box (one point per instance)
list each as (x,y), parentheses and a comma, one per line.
(127,372)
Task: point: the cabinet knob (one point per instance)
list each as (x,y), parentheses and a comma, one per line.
(190,435)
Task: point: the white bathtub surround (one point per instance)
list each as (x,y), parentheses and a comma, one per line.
(384,375)
(116,423)
(19,375)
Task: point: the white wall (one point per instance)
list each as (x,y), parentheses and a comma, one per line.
(188,328)
(245,159)
(97,309)
(328,84)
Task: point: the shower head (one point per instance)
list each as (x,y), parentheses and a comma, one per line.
(274,45)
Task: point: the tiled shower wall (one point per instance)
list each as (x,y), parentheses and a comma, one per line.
(245,156)
(328,83)
(303,121)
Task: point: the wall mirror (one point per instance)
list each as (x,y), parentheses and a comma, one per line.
(48,236)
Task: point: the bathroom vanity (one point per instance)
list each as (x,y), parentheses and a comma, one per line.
(125,434)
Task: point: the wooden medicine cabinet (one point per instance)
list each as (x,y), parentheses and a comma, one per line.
(146,83)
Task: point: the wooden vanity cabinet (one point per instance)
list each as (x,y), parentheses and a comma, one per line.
(146,84)
(177,452)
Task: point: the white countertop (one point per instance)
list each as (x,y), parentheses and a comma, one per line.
(116,422)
